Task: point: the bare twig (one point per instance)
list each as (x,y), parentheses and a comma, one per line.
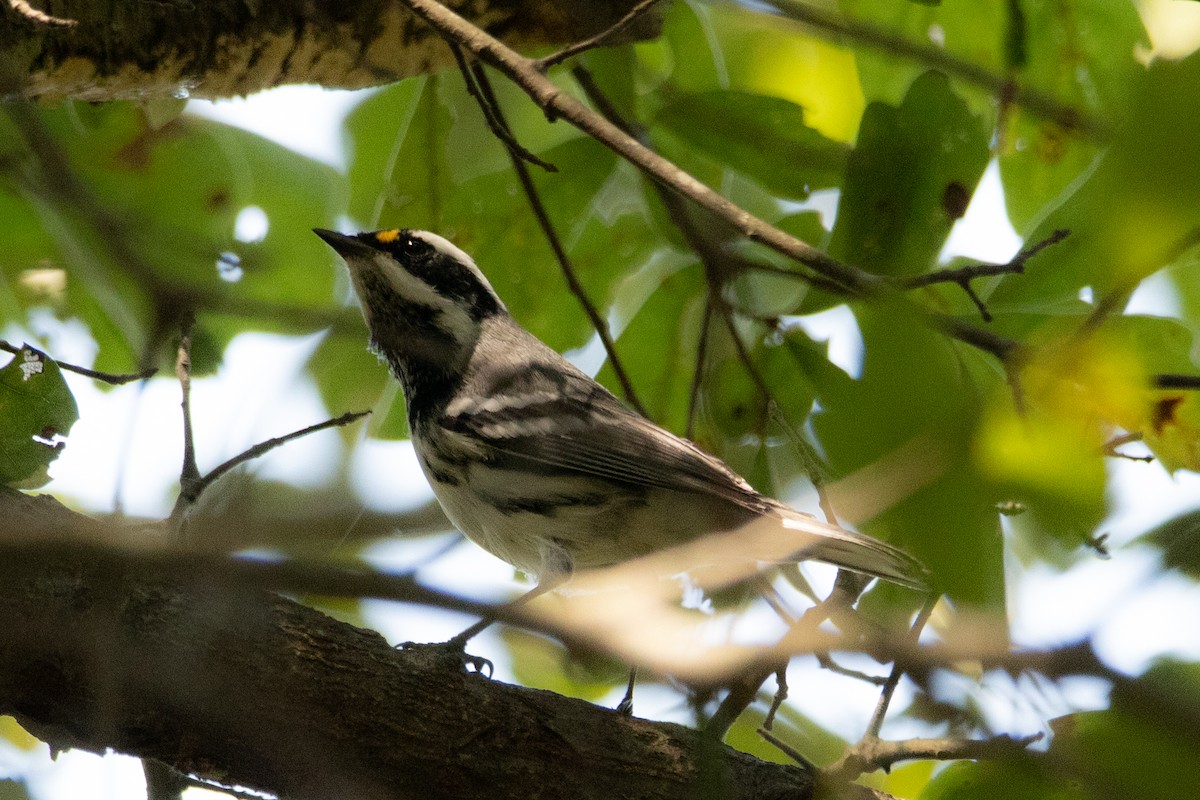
(491,111)
(189,475)
(1168,381)
(893,679)
(827,662)
(268,445)
(964,275)
(787,749)
(1110,447)
(1036,103)
(874,754)
(32,14)
(781,694)
(556,102)
(105,377)
(701,357)
(487,99)
(599,40)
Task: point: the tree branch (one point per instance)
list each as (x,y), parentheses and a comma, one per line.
(104,377)
(229,48)
(557,103)
(964,275)
(203,675)
(599,40)
(479,86)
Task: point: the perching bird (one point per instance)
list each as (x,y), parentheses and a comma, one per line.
(532,459)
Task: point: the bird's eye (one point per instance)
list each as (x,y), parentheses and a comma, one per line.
(412,246)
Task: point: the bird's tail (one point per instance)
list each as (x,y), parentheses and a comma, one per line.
(854,551)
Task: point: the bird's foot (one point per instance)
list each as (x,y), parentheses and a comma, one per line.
(451,654)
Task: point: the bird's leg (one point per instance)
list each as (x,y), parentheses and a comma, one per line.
(626,704)
(549,581)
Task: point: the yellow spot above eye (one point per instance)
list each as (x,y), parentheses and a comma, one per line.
(387,237)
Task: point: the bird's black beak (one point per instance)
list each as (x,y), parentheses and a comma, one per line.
(341,243)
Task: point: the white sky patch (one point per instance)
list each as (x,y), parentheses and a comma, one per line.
(984,232)
(308,119)
(387,476)
(131,436)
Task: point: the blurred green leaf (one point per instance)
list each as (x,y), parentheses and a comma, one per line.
(1136,211)
(37,411)
(816,743)
(185,183)
(1087,64)
(13,790)
(764,137)
(909,421)
(1145,745)
(909,179)
(541,663)
(1179,540)
(986,780)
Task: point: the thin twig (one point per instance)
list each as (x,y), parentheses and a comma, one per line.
(781,694)
(559,104)
(1014,266)
(189,475)
(701,357)
(491,112)
(787,749)
(1036,103)
(32,14)
(599,40)
(827,662)
(812,462)
(964,275)
(114,379)
(487,98)
(893,679)
(1110,447)
(270,444)
(1169,381)
(875,754)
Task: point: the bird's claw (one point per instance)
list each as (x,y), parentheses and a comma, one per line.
(452,652)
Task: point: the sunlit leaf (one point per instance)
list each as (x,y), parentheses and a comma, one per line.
(37,411)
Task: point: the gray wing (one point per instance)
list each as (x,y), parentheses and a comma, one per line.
(546,417)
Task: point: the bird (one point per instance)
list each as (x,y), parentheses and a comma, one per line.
(531,458)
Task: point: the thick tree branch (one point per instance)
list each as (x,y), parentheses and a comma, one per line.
(112,49)
(206,676)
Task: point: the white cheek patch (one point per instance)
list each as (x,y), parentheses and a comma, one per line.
(451,316)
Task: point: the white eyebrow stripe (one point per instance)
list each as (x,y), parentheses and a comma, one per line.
(447,247)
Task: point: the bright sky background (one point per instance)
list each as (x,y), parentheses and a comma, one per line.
(127,445)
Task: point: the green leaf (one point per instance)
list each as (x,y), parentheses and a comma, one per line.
(1137,210)
(985,780)
(185,183)
(1179,540)
(541,663)
(658,348)
(910,420)
(37,411)
(909,179)
(764,137)
(1144,745)
(1089,65)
